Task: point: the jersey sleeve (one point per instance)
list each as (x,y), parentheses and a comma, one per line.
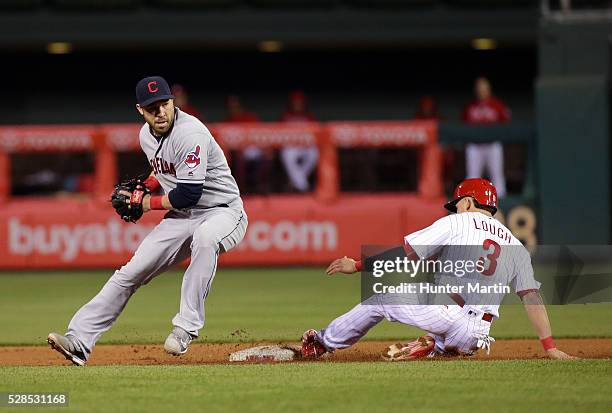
(191,157)
(523,280)
(504,112)
(429,241)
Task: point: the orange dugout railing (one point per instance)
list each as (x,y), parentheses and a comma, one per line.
(109,139)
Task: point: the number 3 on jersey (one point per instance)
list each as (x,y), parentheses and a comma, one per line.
(492,257)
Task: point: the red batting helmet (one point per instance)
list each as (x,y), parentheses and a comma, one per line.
(483,192)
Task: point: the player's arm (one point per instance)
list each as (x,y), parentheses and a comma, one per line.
(536,311)
(344,265)
(505,114)
(183,196)
(418,245)
(153,185)
(150,202)
(348,265)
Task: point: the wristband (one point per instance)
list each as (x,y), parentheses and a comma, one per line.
(548,343)
(358,265)
(152,183)
(155,202)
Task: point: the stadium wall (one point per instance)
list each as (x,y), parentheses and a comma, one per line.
(84,232)
(284,230)
(572,99)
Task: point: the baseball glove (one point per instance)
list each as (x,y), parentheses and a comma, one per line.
(127,197)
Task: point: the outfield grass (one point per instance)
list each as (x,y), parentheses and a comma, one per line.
(244,305)
(278,304)
(455,386)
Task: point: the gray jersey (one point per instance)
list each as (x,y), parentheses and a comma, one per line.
(189,154)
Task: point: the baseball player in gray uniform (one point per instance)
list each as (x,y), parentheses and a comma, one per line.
(205,218)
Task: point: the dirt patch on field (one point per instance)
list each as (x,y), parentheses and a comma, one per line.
(206,353)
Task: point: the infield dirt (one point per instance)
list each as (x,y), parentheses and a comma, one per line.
(218,353)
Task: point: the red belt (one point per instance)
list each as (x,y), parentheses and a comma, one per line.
(461,302)
(487,317)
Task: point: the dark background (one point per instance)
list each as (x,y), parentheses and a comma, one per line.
(355,59)
(88,86)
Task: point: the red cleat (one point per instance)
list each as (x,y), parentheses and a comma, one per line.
(420,348)
(311,348)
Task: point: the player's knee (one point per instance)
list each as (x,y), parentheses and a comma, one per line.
(125,280)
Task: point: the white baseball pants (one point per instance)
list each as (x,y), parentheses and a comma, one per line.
(490,156)
(452,327)
(299,163)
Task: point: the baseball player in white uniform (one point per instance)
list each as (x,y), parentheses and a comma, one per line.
(205,218)
(460,328)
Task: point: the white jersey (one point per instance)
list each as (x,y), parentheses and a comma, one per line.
(505,260)
(190,154)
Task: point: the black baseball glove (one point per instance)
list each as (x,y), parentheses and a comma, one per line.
(127,197)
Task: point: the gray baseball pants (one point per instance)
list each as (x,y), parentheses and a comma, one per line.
(201,233)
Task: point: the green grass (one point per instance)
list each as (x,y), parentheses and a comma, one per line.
(457,386)
(278,304)
(244,305)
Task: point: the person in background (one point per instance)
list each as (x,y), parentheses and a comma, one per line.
(181,99)
(427,109)
(236,112)
(486,109)
(252,164)
(299,161)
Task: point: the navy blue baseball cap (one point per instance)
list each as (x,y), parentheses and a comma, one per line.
(151,89)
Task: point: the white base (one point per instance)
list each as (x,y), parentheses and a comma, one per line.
(264,354)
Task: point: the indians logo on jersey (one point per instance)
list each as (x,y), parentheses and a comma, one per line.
(193,158)
(161,166)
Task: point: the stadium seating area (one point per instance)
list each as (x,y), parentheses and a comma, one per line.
(284,4)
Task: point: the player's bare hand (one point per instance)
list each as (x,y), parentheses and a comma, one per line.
(557,354)
(344,265)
